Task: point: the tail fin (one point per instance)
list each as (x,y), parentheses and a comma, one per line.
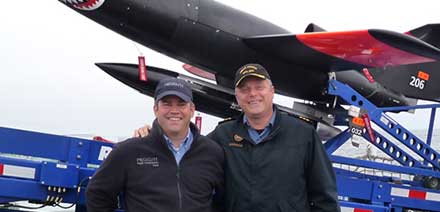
(429,33)
(313,28)
(420,81)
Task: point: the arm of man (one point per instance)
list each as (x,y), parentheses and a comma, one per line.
(219,195)
(106,184)
(321,179)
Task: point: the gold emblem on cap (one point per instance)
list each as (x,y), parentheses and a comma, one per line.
(248,67)
(238,138)
(248,71)
(252,74)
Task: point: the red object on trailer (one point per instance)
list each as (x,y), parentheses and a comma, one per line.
(370,131)
(199,122)
(99,138)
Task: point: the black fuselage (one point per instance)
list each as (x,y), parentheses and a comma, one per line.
(215,38)
(209,35)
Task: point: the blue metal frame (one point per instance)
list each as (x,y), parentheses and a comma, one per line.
(61,165)
(362,207)
(375,191)
(334,143)
(387,123)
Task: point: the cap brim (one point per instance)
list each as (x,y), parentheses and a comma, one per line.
(250,75)
(179,94)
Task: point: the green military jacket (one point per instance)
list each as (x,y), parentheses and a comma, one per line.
(288,171)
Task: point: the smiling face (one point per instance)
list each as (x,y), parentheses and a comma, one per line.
(174,115)
(255,97)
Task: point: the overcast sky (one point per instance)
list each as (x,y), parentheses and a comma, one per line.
(49,82)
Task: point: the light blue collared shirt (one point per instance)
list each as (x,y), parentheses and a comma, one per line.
(183,148)
(258,137)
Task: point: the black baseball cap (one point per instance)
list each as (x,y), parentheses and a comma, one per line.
(251,69)
(173,86)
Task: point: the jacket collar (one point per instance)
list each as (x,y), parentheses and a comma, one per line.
(242,130)
(157,133)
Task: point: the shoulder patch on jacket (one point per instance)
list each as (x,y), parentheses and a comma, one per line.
(226,120)
(302,118)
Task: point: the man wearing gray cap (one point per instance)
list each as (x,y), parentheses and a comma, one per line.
(174,168)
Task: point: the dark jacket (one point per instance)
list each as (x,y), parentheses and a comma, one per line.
(288,171)
(145,170)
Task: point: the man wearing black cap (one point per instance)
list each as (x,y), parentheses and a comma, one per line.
(274,162)
(174,168)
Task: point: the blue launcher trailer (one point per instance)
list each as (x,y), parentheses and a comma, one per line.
(413,180)
(52,170)
(46,169)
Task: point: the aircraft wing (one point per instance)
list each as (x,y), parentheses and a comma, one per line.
(335,51)
(401,62)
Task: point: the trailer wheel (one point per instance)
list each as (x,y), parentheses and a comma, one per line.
(431,182)
(418,178)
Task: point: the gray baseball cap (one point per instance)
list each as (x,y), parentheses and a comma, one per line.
(173,86)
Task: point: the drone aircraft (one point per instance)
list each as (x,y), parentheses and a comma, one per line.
(388,68)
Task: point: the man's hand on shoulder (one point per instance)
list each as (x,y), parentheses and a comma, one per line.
(142,132)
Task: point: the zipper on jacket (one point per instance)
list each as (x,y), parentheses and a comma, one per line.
(178,187)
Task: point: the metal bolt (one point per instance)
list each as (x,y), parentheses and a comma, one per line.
(380,186)
(42,182)
(80,143)
(197,8)
(78,157)
(378,196)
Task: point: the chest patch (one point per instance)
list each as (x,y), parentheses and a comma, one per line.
(149,161)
